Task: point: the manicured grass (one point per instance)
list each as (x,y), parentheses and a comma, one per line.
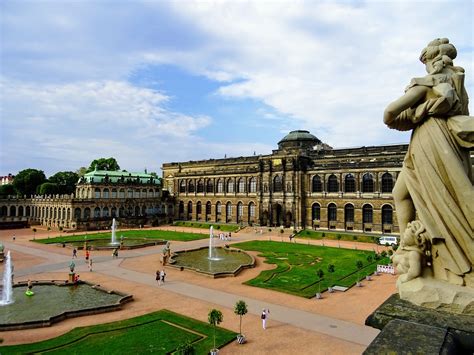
(347,236)
(149,234)
(297,265)
(206,225)
(160,333)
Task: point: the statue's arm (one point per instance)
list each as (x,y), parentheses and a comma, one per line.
(413,96)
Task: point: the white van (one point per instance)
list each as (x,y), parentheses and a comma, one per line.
(386,240)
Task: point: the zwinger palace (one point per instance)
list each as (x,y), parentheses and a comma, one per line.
(304,184)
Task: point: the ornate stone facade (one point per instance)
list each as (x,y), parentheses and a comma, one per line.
(304,183)
(132,198)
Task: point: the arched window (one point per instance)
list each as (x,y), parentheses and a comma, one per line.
(191,186)
(349,213)
(151,193)
(349,183)
(228,211)
(387,214)
(333,184)
(106,193)
(190,207)
(209,186)
(200,186)
(367,214)
(130,193)
(367,183)
(97,192)
(121,211)
(87,212)
(182,186)
(137,211)
(332,212)
(387,183)
(315,212)
(198,208)
(230,185)
(143,210)
(220,186)
(113,212)
(277,184)
(251,209)
(317,186)
(77,213)
(96,212)
(27,211)
(105,212)
(20,211)
(253,185)
(240,212)
(122,193)
(143,194)
(114,193)
(241,185)
(218,208)
(208,207)
(181,207)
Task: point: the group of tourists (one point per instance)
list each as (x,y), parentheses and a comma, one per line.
(160,277)
(226,236)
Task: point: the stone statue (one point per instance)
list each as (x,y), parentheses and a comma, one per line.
(435,184)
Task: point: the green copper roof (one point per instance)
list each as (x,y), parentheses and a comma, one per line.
(98,176)
(299,135)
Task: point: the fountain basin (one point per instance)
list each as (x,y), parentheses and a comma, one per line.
(128,243)
(54,301)
(229,262)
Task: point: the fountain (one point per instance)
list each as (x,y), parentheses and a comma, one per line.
(212,249)
(7,290)
(114,237)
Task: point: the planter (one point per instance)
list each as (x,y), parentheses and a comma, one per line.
(368,278)
(330,290)
(241,339)
(358,284)
(214,351)
(376,273)
(318,296)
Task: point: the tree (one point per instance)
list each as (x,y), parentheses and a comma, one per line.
(26,181)
(215,317)
(331,269)
(320,274)
(48,188)
(240,309)
(65,180)
(109,164)
(81,171)
(359,266)
(7,190)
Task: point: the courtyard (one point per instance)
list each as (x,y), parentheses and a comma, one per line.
(335,323)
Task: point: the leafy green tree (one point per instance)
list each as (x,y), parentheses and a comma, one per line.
(359,266)
(27,181)
(331,269)
(81,171)
(240,309)
(48,188)
(7,190)
(320,274)
(215,317)
(109,164)
(65,180)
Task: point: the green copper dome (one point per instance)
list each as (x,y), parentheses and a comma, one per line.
(298,139)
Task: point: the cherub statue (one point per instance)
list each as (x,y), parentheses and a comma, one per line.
(410,257)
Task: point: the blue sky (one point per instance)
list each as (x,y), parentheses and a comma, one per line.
(149,82)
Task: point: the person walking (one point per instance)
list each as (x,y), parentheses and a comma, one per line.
(162,276)
(263,317)
(90,264)
(158,277)
(74,253)
(87,255)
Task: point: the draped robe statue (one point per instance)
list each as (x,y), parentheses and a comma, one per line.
(434,188)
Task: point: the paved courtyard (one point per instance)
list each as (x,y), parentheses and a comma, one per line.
(333,325)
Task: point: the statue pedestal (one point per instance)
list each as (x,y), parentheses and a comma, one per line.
(435,294)
(409,328)
(72,276)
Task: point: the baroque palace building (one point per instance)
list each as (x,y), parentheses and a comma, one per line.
(134,199)
(303,184)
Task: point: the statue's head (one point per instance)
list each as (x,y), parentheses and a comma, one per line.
(437,55)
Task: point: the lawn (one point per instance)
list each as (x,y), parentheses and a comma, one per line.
(142,233)
(160,332)
(206,225)
(296,266)
(347,236)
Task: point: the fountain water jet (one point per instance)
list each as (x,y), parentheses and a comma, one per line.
(7,290)
(212,252)
(114,237)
